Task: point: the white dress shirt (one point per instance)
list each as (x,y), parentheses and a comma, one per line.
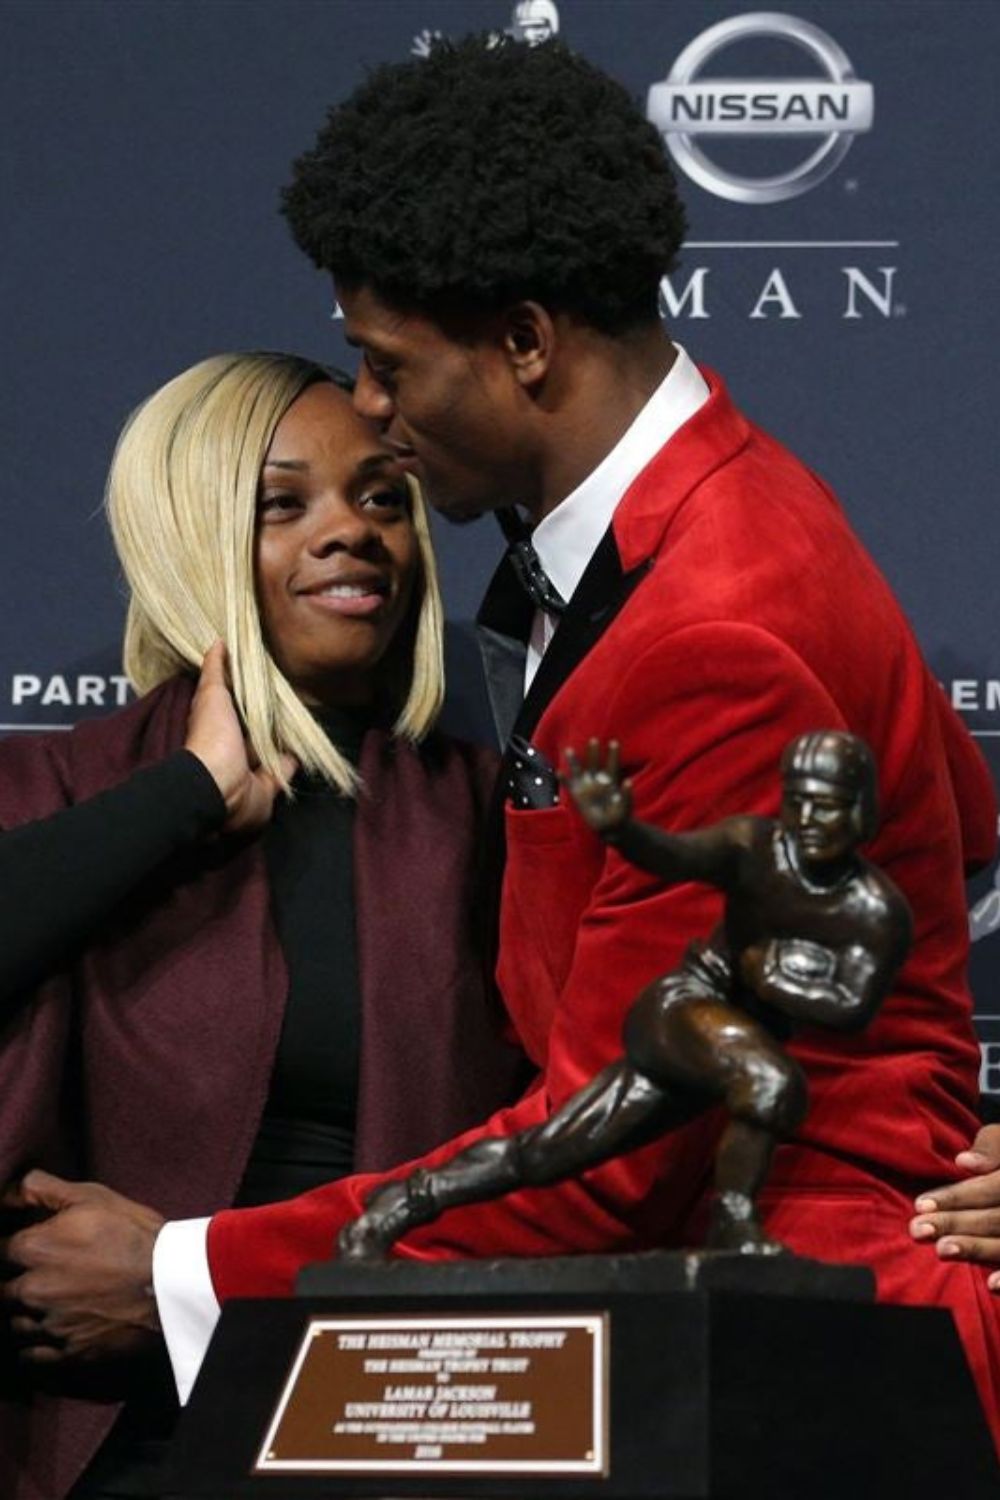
(565,541)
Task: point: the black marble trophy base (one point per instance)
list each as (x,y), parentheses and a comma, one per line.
(730,1377)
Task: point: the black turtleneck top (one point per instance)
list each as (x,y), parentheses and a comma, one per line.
(306,1136)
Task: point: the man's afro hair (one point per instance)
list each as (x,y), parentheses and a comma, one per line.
(488,172)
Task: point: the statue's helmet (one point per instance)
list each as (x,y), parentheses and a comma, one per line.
(533,15)
(841,761)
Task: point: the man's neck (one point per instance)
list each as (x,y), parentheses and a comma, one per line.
(604,389)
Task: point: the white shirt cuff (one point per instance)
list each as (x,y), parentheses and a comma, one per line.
(185,1297)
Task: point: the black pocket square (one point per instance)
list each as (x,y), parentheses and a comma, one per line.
(531,780)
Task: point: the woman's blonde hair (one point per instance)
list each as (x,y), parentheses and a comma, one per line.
(182,503)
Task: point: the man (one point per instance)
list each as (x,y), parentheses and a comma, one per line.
(811,934)
(497,220)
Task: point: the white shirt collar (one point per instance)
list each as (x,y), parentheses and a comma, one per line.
(569,535)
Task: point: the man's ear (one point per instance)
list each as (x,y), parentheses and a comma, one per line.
(529,340)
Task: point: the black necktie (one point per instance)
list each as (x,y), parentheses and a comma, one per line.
(527,566)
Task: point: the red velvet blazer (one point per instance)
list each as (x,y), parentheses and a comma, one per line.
(738,611)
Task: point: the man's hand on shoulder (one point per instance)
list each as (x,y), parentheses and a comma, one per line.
(962,1219)
(80,1281)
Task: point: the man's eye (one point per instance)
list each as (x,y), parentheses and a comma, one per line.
(383,375)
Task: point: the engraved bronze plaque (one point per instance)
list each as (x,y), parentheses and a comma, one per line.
(497,1395)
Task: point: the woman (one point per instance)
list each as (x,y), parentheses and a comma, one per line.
(216,894)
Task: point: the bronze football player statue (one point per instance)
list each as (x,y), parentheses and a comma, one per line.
(811,934)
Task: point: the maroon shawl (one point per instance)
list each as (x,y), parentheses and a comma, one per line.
(145,1064)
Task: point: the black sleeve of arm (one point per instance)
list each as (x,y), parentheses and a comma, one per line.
(60,876)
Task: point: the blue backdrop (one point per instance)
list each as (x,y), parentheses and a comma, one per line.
(839,271)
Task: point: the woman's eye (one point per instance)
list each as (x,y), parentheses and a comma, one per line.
(278,507)
(396,498)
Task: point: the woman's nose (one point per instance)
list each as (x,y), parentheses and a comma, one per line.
(340,526)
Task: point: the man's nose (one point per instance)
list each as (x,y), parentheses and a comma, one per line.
(371,400)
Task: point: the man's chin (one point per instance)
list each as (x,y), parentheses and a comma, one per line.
(458,510)
(461,518)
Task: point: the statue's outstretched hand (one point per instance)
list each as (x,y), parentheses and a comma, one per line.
(603,799)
